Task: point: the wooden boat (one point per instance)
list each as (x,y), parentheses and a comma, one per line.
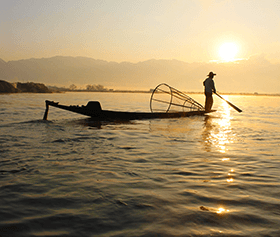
(163,100)
(94,110)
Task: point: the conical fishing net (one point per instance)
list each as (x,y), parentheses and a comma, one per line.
(168,99)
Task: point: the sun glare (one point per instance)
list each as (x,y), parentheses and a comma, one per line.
(228,51)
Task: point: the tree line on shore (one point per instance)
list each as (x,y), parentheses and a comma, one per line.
(31,87)
(18,87)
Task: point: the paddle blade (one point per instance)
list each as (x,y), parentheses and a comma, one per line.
(232,105)
(235,107)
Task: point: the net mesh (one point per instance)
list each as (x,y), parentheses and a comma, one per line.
(168,99)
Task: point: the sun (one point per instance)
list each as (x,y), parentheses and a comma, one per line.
(228,51)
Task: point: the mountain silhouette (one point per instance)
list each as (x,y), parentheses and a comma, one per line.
(255,74)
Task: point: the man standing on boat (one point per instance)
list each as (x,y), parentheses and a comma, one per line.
(209,88)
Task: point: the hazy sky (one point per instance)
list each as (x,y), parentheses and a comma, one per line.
(138,30)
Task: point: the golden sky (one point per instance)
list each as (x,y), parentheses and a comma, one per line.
(139,30)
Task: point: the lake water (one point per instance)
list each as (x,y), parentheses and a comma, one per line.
(216,175)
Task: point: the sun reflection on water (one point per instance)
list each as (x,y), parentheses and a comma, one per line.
(222,211)
(230,180)
(218,130)
(230,176)
(225,159)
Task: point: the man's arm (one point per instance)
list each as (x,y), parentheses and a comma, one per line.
(213,87)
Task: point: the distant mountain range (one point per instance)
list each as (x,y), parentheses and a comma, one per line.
(253,75)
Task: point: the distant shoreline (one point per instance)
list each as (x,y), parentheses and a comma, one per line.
(31,87)
(186,92)
(138,91)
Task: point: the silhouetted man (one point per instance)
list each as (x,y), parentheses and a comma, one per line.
(209,88)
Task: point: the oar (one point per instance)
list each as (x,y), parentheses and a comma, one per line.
(232,105)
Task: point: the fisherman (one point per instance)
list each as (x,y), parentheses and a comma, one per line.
(208,90)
